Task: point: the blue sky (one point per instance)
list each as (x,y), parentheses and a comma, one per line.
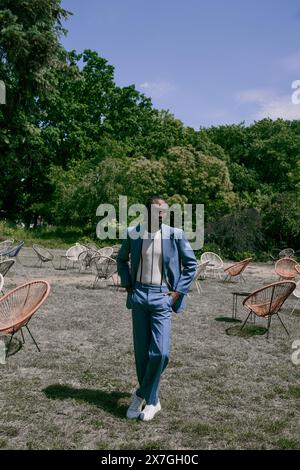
(209,62)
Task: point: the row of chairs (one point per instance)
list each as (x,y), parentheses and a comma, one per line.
(264,302)
(212,264)
(86,256)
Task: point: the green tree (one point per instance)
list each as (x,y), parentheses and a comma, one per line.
(30,54)
(200,179)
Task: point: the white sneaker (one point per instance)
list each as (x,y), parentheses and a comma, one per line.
(135,407)
(150,411)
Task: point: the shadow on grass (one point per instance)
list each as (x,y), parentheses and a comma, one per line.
(228,319)
(294,391)
(14,345)
(108,401)
(247,331)
(289,312)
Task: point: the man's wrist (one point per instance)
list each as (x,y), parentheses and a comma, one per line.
(175,295)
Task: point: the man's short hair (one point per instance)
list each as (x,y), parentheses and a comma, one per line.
(153,198)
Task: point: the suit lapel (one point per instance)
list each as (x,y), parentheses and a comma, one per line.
(166,244)
(136,252)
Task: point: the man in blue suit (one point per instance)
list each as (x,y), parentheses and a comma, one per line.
(162,268)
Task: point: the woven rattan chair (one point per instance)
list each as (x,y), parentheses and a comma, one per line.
(268,300)
(285,268)
(286,253)
(6,265)
(215,263)
(297,267)
(72,255)
(18,306)
(1,283)
(43,255)
(201,267)
(107,251)
(6,244)
(85,259)
(116,249)
(12,251)
(106,268)
(296,293)
(236,270)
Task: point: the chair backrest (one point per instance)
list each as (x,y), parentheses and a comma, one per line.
(105,266)
(296,292)
(297,267)
(212,259)
(42,253)
(201,268)
(6,244)
(269,299)
(106,251)
(74,251)
(1,282)
(238,268)
(6,265)
(18,305)
(285,268)
(286,253)
(116,249)
(13,250)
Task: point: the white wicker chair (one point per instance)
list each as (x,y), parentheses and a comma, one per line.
(107,251)
(215,265)
(6,244)
(72,256)
(201,267)
(296,293)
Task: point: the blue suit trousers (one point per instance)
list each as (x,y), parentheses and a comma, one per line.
(151,320)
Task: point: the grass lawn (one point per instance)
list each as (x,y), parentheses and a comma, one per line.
(220,390)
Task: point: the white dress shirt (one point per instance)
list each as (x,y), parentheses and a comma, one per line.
(150,270)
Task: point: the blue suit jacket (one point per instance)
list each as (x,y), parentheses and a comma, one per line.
(179,261)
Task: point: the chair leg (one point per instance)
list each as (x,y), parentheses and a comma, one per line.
(295,307)
(233,315)
(269,324)
(23,339)
(283,324)
(33,338)
(198,286)
(246,320)
(96,280)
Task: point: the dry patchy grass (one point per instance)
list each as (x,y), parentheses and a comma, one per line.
(219,391)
